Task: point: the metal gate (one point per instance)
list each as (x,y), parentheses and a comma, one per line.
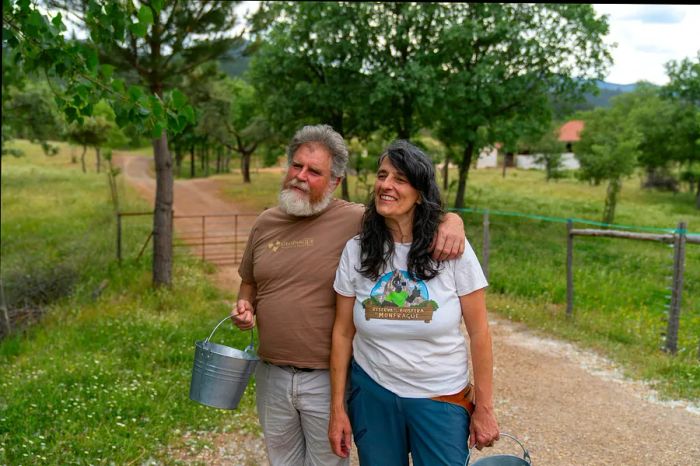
(216,238)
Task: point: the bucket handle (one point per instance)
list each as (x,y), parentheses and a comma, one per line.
(248,349)
(526,454)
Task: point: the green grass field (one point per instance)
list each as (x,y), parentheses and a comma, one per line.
(105,379)
(100,380)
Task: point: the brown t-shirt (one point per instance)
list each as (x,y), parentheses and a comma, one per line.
(292,261)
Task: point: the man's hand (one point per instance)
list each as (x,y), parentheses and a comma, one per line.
(448,242)
(243,315)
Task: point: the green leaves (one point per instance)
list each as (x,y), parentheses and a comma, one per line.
(138,29)
(118,86)
(157,6)
(145,16)
(135,93)
(106,71)
(91,60)
(57,22)
(178,98)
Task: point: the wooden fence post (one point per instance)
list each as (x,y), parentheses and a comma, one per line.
(569,268)
(486,246)
(674,311)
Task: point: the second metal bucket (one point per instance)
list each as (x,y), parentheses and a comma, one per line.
(220,373)
(503,460)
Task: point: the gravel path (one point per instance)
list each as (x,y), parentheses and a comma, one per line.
(567,406)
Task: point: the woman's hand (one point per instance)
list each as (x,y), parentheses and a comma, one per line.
(483,428)
(340,433)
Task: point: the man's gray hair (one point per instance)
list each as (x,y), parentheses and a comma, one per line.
(322,134)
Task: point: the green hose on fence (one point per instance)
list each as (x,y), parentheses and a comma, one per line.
(576,220)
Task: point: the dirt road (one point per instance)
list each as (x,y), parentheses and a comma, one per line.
(567,406)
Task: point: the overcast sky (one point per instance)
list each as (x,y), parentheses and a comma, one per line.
(649,36)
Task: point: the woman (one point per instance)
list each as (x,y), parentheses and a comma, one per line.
(397,329)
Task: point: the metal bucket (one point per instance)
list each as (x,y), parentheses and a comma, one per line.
(220,374)
(503,460)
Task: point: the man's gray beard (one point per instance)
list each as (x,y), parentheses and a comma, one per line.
(293,204)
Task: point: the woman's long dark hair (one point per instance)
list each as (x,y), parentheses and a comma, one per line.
(376,242)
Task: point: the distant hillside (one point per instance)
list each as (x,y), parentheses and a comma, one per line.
(606,91)
(620,88)
(235,62)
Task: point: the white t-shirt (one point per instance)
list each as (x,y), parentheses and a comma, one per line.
(408,336)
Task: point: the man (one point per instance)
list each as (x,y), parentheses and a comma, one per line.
(287,275)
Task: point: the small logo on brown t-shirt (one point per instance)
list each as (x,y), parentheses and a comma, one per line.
(274,246)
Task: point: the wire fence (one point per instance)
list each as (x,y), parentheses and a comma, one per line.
(677,238)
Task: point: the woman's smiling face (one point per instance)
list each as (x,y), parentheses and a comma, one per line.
(394,196)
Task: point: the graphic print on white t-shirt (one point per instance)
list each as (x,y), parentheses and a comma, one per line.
(396,296)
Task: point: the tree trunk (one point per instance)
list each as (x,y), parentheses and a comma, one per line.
(162,215)
(445,174)
(463,174)
(219,163)
(82,159)
(338,125)
(344,187)
(697,196)
(112,176)
(178,159)
(97,158)
(245,166)
(192,161)
(613,190)
(207,150)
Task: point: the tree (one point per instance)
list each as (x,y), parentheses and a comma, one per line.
(29,112)
(149,44)
(608,150)
(402,63)
(548,149)
(92,132)
(653,119)
(232,118)
(684,89)
(500,63)
(308,66)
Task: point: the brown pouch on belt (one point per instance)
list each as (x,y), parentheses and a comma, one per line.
(464,398)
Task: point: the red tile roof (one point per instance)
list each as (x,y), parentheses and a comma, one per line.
(570,131)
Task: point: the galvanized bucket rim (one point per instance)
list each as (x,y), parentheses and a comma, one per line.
(250,349)
(526,454)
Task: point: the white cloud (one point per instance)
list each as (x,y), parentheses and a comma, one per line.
(656,14)
(647,37)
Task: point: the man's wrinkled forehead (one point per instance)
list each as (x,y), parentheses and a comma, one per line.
(315,148)
(313,155)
